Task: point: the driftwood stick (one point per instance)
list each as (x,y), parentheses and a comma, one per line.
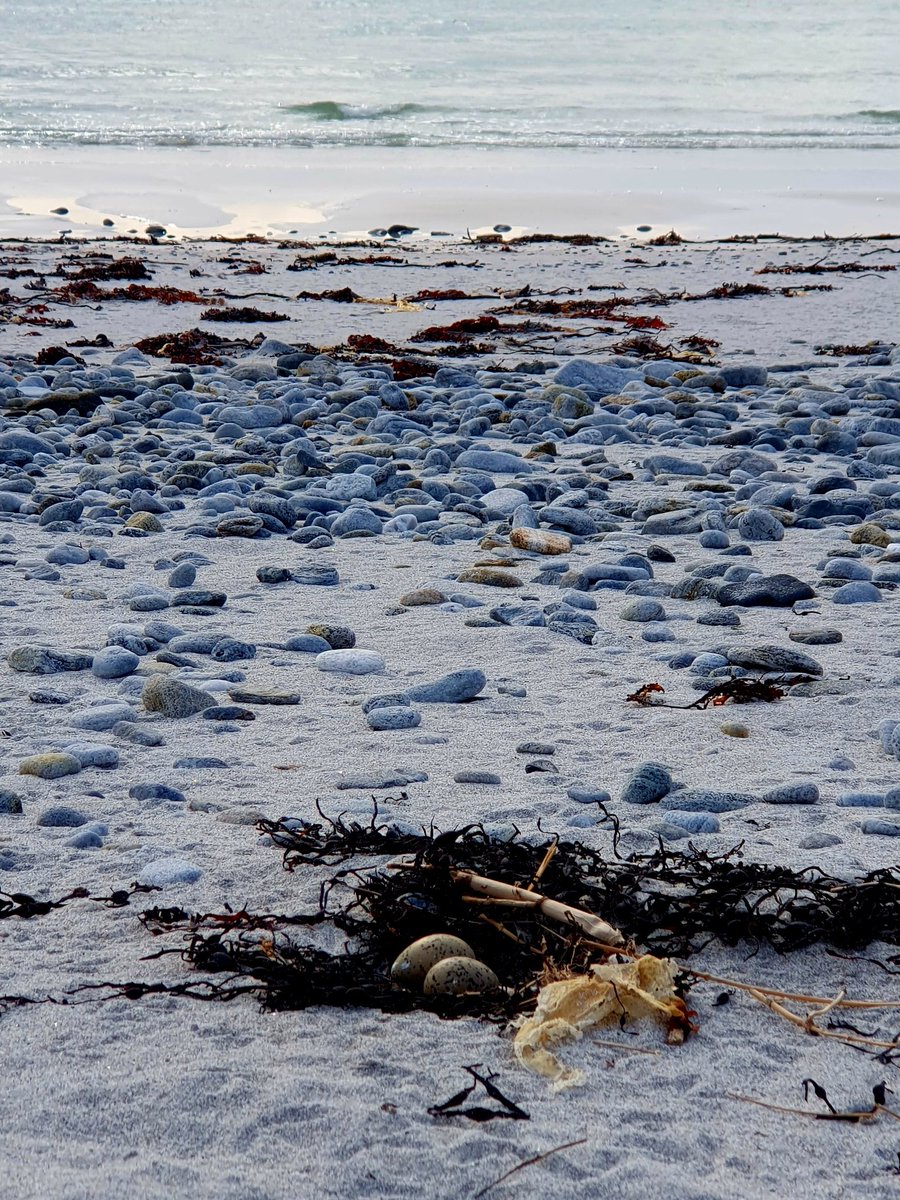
(588,923)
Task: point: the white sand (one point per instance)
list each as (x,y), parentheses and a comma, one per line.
(213,190)
(164,1097)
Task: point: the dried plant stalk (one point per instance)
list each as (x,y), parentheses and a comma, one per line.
(593,926)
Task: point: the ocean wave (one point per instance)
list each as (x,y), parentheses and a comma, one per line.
(890,116)
(335,110)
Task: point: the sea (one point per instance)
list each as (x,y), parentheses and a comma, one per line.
(641,74)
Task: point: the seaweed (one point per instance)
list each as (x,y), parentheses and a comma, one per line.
(738,691)
(459,331)
(193,346)
(667,239)
(118,268)
(847,351)
(339,295)
(241,314)
(820,267)
(453,1107)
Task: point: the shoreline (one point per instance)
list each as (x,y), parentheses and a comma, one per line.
(336,191)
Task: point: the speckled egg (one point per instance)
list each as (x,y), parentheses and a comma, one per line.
(411,967)
(735,729)
(454,976)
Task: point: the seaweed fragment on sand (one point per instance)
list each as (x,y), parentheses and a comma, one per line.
(244,315)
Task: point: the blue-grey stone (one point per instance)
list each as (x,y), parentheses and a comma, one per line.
(393,718)
(857,592)
(101,717)
(759,525)
(62,817)
(885,828)
(588,795)
(648,783)
(306,643)
(455,688)
(91,754)
(645,609)
(703,800)
(792,793)
(167,872)
(114,662)
(775,591)
(316,575)
(487,778)
(693,822)
(860,800)
(155,792)
(183,576)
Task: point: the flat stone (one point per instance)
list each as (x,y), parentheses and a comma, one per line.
(379,781)
(539,541)
(455,688)
(51,765)
(816,637)
(387,718)
(772,658)
(168,872)
(350,662)
(490,577)
(171,698)
(40,660)
(792,793)
(775,591)
(250,695)
(702,800)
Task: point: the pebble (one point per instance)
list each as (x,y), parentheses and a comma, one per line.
(114,662)
(350,662)
(693,822)
(51,765)
(39,660)
(168,872)
(648,783)
(816,637)
(588,795)
(776,591)
(62,817)
(768,658)
(10,802)
(540,541)
(735,729)
(250,695)
(481,777)
(383,719)
(421,597)
(857,592)
(455,688)
(490,577)
(643,610)
(156,792)
(338,637)
(792,793)
(171,698)
(703,800)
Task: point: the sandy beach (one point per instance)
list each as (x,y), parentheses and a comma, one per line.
(207,191)
(208,515)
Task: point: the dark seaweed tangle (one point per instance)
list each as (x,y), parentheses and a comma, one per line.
(670,903)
